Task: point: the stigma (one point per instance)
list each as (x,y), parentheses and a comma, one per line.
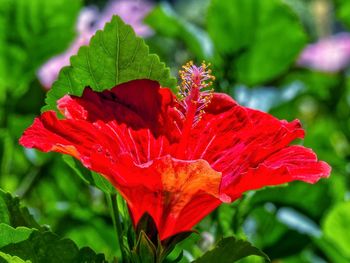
(194,92)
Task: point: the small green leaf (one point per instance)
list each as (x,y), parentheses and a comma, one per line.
(259,39)
(230,250)
(145,249)
(115,55)
(13,213)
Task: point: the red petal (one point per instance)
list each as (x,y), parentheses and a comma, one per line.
(289,164)
(176,193)
(97,145)
(233,138)
(74,137)
(127,134)
(220,103)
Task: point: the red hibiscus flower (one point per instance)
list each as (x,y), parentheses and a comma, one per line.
(175,158)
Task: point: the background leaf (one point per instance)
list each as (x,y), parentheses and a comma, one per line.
(261,39)
(30,33)
(343,11)
(114,56)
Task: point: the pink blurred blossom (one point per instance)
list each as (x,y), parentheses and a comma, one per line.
(330,54)
(90,20)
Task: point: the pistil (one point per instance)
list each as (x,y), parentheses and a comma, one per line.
(194,97)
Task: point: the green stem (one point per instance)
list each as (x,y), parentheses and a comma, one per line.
(112,200)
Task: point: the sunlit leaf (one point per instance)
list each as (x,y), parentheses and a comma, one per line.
(115,55)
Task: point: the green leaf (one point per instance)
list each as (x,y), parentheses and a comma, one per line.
(13,213)
(46,247)
(335,225)
(166,22)
(94,232)
(13,235)
(6,258)
(258,39)
(230,250)
(30,33)
(342,8)
(115,55)
(32,244)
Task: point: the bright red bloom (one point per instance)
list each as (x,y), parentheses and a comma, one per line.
(168,157)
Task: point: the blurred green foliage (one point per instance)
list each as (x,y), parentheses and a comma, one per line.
(253,46)
(30,33)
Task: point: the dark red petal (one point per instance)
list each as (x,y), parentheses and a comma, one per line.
(289,164)
(140,104)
